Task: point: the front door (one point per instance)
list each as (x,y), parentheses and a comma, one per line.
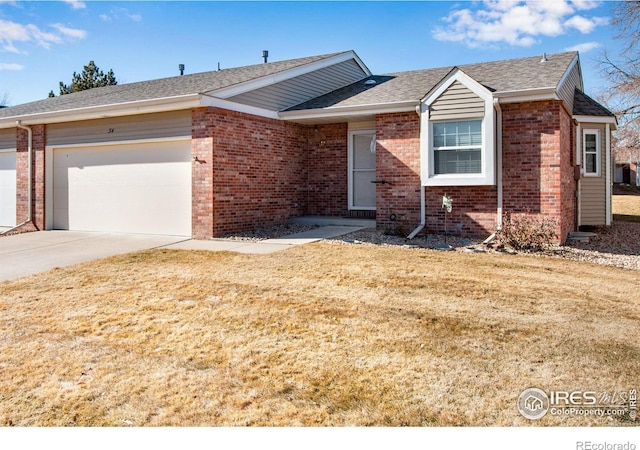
(362,170)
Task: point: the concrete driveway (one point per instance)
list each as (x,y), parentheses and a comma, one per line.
(29,253)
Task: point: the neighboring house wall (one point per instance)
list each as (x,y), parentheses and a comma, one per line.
(256,168)
(536,141)
(398,163)
(327,173)
(593,188)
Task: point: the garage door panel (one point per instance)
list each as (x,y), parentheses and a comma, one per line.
(8,189)
(143,188)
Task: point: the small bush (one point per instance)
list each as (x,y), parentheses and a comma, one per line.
(526,232)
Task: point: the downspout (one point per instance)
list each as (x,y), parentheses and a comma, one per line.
(422,214)
(29,177)
(423,211)
(496,105)
(608,167)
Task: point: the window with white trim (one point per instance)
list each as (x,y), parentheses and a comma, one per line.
(457,147)
(591,152)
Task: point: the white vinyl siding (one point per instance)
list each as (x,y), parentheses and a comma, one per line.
(127,128)
(8,139)
(457,147)
(457,102)
(593,197)
(294,91)
(7,188)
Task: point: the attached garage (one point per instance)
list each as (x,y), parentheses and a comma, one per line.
(128,188)
(7,188)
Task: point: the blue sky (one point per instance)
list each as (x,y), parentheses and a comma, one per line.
(43,43)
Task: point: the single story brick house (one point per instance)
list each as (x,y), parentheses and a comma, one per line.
(205,154)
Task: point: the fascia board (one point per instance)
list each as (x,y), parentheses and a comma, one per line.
(104,111)
(527,95)
(597,119)
(215,102)
(269,80)
(343,111)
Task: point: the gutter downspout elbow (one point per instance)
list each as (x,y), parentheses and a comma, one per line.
(29,176)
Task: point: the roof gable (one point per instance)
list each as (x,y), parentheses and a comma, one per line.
(185,86)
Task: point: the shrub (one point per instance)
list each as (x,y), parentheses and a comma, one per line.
(527,232)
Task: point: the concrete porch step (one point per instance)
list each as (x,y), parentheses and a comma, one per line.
(324,221)
(581,236)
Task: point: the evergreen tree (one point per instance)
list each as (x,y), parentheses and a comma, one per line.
(90,77)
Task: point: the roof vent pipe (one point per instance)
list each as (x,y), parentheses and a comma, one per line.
(265,55)
(181,68)
(544,58)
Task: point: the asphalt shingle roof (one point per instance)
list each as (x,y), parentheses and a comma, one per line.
(583,105)
(497,76)
(197,83)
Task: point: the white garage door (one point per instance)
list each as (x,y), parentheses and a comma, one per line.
(7,188)
(136,188)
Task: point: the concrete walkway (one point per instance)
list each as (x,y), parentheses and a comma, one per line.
(30,253)
(268,245)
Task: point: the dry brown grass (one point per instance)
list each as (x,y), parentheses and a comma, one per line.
(317,335)
(626,203)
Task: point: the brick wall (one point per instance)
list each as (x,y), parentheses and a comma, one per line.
(254,169)
(327,163)
(473,212)
(38,174)
(202,126)
(537,162)
(398,163)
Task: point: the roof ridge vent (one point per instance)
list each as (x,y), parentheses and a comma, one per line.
(544,58)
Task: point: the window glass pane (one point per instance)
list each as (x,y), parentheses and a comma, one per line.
(590,163)
(457,161)
(457,147)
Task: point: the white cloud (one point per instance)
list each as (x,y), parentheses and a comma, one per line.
(12,33)
(76,4)
(9,66)
(584,47)
(517,23)
(70,32)
(117,13)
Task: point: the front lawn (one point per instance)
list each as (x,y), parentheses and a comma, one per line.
(322,334)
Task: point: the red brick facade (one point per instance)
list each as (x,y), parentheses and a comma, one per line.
(327,162)
(38,174)
(538,162)
(398,164)
(249,172)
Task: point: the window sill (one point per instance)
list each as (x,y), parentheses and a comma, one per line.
(459,180)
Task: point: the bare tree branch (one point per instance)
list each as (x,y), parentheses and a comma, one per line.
(4,100)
